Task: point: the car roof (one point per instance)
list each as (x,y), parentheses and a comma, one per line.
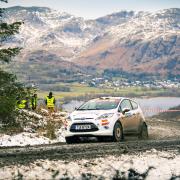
(110,98)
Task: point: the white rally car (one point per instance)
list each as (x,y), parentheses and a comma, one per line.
(106,117)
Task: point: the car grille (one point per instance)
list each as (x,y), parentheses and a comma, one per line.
(81,119)
(93,127)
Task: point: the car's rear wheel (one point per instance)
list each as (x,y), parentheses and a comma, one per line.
(144,132)
(117,132)
(72,140)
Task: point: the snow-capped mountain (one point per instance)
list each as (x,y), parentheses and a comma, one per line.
(48,29)
(132,41)
(147,42)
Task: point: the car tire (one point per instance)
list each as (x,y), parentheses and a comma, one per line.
(143,132)
(71,140)
(117,132)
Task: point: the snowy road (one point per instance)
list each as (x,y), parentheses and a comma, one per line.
(162,135)
(156,158)
(79,151)
(153,159)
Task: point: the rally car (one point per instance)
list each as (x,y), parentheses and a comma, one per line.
(112,117)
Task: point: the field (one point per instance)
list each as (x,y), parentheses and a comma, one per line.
(79,90)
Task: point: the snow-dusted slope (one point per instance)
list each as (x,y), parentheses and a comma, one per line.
(46,28)
(147,42)
(148,26)
(123,40)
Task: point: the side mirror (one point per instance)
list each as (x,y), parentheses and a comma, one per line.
(125,110)
(76,108)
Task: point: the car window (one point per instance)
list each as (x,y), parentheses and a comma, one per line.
(125,104)
(134,105)
(99,105)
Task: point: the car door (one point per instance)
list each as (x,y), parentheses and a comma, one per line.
(127,118)
(136,116)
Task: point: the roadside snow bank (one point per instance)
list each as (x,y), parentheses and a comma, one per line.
(24,139)
(38,128)
(149,165)
(32,121)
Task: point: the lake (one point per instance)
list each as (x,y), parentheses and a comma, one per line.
(150,106)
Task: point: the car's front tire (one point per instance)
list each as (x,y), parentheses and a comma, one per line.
(117,132)
(144,132)
(71,140)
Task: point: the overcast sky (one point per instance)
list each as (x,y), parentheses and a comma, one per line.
(91,9)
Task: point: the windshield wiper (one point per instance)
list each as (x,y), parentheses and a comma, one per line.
(88,109)
(94,109)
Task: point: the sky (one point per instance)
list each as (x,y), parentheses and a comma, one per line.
(91,9)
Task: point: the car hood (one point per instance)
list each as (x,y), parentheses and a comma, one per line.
(89,114)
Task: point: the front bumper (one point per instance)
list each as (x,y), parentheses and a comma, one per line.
(90,134)
(97,130)
(93,127)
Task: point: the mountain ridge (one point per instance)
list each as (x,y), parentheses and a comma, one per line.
(127,40)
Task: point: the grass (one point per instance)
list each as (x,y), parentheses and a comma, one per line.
(11,129)
(78,90)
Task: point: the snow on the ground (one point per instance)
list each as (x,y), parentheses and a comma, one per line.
(28,139)
(31,124)
(156,165)
(165,132)
(23,139)
(60,135)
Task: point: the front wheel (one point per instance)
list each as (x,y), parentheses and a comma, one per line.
(117,132)
(144,132)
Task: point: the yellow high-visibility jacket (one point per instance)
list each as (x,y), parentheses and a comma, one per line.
(22,104)
(50,102)
(33,102)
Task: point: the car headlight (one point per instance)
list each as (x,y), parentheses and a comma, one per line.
(104,116)
(67,122)
(69,118)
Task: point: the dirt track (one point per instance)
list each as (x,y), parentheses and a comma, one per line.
(163,135)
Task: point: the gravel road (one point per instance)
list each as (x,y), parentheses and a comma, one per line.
(163,135)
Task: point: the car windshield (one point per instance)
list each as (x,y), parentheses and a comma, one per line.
(99,105)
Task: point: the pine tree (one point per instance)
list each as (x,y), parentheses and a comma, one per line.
(10,89)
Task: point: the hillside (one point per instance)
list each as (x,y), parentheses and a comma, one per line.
(148,42)
(61,44)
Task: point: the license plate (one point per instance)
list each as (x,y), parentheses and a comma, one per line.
(83,127)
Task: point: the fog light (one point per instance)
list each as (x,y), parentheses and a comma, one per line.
(106,127)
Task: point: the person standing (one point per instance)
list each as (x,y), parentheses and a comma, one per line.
(22,103)
(50,101)
(34,102)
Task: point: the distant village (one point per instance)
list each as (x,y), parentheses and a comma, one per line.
(103,82)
